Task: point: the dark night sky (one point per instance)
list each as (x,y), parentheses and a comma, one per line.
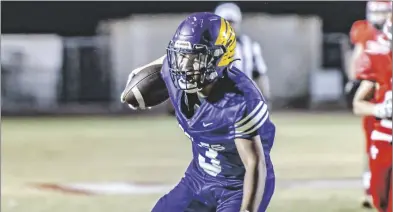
(80,18)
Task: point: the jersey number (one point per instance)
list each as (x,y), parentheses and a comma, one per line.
(213,168)
(373,152)
(207,162)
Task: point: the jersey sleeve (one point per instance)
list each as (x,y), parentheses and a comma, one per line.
(364,69)
(251,117)
(361,32)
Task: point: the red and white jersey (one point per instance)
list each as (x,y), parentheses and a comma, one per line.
(376,65)
(361,32)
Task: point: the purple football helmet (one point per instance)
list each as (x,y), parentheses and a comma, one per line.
(203,45)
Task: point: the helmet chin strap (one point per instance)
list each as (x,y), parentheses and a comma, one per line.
(200,94)
(194,90)
(205,91)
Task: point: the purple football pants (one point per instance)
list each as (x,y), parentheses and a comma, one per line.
(200,192)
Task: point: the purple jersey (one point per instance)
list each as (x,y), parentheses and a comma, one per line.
(234,109)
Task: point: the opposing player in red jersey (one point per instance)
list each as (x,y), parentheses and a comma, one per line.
(364,30)
(361,32)
(375,67)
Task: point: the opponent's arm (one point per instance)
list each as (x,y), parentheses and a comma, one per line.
(251,156)
(361,106)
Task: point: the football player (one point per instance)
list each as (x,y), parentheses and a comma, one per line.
(361,32)
(377,12)
(224,115)
(249,52)
(374,66)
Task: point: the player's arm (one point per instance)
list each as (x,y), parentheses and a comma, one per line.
(250,119)
(250,155)
(362,107)
(360,104)
(260,70)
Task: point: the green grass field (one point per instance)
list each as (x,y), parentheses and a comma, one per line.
(154,150)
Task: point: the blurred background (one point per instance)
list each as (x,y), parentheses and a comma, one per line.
(66,136)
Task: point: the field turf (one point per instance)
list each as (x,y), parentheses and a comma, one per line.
(324,148)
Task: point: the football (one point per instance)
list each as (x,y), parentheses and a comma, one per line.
(146,88)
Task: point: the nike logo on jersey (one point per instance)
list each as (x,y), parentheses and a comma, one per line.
(205,125)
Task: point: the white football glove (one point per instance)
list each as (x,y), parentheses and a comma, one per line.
(384,109)
(122,96)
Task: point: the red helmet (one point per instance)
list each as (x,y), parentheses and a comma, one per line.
(377,11)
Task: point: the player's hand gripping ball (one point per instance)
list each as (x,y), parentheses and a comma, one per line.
(145,88)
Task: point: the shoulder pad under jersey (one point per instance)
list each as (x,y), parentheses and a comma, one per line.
(361,32)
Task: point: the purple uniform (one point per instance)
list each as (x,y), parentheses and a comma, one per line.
(214,179)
